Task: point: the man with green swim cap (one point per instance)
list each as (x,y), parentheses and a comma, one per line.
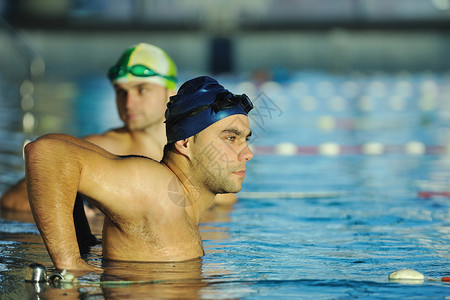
(143,78)
(152,209)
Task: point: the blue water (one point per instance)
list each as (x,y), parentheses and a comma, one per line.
(363,221)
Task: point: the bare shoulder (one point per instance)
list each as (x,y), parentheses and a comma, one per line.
(148,174)
(114,140)
(128,186)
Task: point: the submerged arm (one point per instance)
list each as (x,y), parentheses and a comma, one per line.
(15,197)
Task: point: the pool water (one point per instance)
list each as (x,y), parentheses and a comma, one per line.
(330,204)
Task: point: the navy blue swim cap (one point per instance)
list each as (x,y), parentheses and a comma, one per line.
(199,103)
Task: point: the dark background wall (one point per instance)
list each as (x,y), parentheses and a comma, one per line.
(74,37)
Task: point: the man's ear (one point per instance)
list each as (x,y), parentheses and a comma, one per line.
(183,147)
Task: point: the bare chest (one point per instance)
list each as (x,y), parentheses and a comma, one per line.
(156,242)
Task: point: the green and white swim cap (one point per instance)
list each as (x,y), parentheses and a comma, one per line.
(145,62)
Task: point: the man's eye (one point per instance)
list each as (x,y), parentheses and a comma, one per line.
(231,138)
(142,91)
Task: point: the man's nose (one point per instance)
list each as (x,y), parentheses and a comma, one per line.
(246,153)
(130,99)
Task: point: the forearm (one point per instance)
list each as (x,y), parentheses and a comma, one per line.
(52,175)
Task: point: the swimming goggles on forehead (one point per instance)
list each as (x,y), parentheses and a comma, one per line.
(117,71)
(223,101)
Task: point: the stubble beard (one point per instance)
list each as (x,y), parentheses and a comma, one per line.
(221,183)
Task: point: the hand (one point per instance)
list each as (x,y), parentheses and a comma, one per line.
(79,266)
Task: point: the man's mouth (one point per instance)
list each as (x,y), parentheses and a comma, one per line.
(240,172)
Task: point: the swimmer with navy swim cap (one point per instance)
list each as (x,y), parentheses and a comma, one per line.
(153,215)
(145,62)
(199,103)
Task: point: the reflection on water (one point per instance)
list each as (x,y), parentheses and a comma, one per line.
(159,280)
(180,280)
(20,245)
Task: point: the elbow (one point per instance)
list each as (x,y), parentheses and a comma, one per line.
(50,154)
(37,150)
(29,151)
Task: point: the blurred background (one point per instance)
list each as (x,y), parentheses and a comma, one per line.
(84,36)
(333,58)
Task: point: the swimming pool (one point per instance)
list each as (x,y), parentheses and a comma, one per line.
(330,204)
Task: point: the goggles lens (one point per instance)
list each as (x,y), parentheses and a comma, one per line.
(229,100)
(117,71)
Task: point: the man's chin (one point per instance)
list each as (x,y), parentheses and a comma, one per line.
(134,127)
(232,190)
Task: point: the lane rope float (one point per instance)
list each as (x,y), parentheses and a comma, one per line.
(430,194)
(410,276)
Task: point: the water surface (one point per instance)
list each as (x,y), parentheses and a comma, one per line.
(362,220)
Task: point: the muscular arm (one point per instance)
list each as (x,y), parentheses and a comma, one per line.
(57,166)
(53,166)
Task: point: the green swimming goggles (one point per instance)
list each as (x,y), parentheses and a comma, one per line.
(117,71)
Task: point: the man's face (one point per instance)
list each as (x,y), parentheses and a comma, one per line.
(141,104)
(220,154)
